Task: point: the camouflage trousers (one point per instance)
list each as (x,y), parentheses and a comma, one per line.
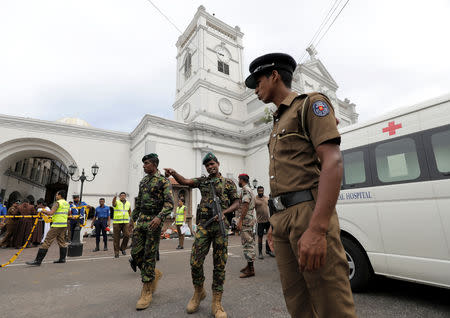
(200,248)
(248,243)
(145,243)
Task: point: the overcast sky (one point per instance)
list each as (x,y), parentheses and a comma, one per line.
(112,61)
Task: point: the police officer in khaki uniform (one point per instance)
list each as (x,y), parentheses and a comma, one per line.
(305,172)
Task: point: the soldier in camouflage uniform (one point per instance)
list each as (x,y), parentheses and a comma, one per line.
(226,191)
(246,224)
(153,204)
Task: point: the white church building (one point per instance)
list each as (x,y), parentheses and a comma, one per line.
(214,111)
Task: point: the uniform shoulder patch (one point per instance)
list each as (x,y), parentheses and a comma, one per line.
(320,108)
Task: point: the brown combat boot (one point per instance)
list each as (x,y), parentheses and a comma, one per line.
(216,307)
(244,269)
(146,296)
(194,303)
(158,275)
(249,272)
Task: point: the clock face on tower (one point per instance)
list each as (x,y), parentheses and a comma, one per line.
(222,54)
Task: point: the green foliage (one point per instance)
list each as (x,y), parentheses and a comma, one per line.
(268,116)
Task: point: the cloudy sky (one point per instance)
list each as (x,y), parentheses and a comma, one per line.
(112,61)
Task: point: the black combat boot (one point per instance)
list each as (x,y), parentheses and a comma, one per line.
(62,255)
(132,264)
(97,248)
(39,257)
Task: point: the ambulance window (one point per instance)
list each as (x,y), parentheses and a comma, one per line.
(397,161)
(441,148)
(354,170)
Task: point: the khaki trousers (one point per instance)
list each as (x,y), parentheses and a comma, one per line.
(118,228)
(58,233)
(180,236)
(322,293)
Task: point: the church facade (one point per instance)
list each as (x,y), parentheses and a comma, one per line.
(213,111)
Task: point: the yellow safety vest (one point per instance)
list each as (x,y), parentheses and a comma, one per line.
(59,218)
(179,218)
(121,212)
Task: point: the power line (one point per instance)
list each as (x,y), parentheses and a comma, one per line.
(165,16)
(329,26)
(181,32)
(324,22)
(332,23)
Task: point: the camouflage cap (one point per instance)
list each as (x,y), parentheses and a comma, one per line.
(209,156)
(150,156)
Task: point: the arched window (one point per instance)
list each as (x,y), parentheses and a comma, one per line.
(187,65)
(24,167)
(34,170)
(39,173)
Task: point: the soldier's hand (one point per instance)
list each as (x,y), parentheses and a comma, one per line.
(169,172)
(312,250)
(155,223)
(239,226)
(270,239)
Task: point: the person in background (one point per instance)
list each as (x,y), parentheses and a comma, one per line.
(180,219)
(262,218)
(122,213)
(41,207)
(59,213)
(77,208)
(11,226)
(25,225)
(245,225)
(3,212)
(101,221)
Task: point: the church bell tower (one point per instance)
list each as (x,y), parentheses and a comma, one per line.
(209,72)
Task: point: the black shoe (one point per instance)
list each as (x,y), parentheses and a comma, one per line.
(260,255)
(132,264)
(39,257)
(96,249)
(116,255)
(124,253)
(178,247)
(270,253)
(62,255)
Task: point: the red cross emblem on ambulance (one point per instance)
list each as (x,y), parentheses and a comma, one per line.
(392,127)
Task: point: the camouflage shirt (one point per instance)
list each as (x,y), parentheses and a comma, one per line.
(225,190)
(247,196)
(154,198)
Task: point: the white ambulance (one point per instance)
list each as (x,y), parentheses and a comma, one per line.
(394,205)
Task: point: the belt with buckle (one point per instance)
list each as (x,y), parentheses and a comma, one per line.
(284,201)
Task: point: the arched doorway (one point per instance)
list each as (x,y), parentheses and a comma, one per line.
(33,167)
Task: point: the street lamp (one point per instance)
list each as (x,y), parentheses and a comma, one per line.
(255,183)
(76,247)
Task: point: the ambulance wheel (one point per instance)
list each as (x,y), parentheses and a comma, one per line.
(360,270)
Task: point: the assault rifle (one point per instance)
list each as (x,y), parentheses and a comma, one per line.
(217,211)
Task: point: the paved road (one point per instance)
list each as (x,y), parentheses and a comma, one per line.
(97,285)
